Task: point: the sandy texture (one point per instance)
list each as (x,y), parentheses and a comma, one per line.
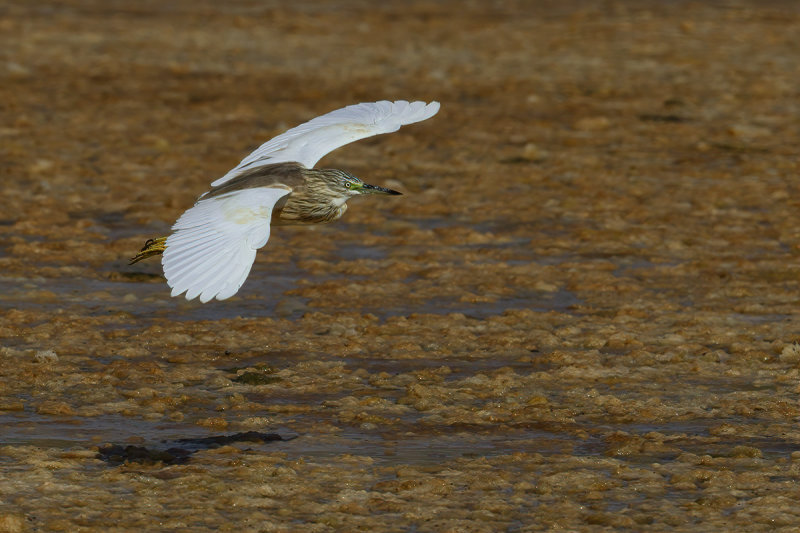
(582,314)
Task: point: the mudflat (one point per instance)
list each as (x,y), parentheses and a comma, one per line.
(581,315)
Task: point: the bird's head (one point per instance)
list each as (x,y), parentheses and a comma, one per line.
(344,185)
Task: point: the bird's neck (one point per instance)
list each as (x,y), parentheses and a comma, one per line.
(302,211)
(339,201)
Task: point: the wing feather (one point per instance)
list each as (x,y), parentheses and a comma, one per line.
(207,279)
(233,284)
(213,244)
(309,142)
(192,275)
(190,269)
(222,288)
(186,264)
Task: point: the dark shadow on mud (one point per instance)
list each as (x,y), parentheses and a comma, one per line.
(117,454)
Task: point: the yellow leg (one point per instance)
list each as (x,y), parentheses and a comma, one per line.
(151,247)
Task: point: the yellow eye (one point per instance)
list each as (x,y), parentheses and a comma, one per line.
(347,184)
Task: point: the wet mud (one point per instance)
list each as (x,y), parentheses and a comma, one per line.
(582,314)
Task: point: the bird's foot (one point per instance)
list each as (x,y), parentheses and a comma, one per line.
(151,247)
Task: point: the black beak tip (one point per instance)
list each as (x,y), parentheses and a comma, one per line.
(381,190)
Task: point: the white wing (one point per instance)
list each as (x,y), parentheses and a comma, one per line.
(213,244)
(309,142)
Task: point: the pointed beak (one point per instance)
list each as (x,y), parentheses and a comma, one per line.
(374,189)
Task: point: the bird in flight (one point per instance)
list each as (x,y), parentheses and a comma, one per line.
(213,244)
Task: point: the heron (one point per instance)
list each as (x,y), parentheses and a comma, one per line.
(213,244)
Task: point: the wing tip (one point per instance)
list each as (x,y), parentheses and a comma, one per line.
(432,108)
(421,110)
(202,294)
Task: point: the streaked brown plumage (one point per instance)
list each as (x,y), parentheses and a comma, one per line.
(317,196)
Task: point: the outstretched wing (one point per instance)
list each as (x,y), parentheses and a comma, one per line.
(309,142)
(213,244)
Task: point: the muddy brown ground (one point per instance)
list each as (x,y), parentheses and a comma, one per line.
(582,315)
